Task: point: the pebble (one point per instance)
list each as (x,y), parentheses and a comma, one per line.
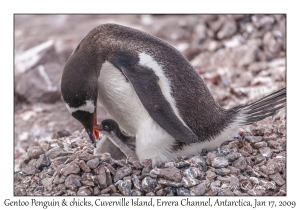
(136,182)
(125,187)
(210,175)
(198,160)
(42,162)
(72,181)
(240,163)
(29,169)
(189,182)
(233,156)
(253,139)
(265,151)
(63,133)
(101,177)
(121,172)
(148,184)
(181,191)
(35,152)
(83,191)
(136,192)
(199,189)
(169,183)
(93,163)
(219,162)
(83,166)
(277,179)
(222,171)
(56,152)
(70,168)
(47,183)
(172,174)
(259,145)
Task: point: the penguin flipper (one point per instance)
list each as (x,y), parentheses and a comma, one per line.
(145,83)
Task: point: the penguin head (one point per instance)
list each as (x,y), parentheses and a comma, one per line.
(109,127)
(79,88)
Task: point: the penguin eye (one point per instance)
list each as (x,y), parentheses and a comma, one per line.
(106,128)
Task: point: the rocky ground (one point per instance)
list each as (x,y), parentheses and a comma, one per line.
(240,57)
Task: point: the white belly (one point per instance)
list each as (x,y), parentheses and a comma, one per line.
(120,100)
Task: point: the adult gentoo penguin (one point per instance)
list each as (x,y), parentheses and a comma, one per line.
(153,93)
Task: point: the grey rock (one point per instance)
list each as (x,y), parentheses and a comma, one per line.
(210,156)
(47,183)
(193,172)
(219,162)
(83,191)
(29,169)
(277,178)
(240,163)
(272,167)
(198,160)
(42,162)
(136,192)
(101,177)
(199,189)
(181,191)
(172,174)
(259,158)
(259,145)
(86,157)
(70,168)
(87,183)
(71,181)
(93,163)
(169,183)
(136,182)
(253,139)
(148,184)
(150,194)
(237,193)
(83,166)
(189,182)
(226,192)
(210,175)
(125,187)
(160,192)
(96,191)
(56,152)
(45,146)
(265,151)
(222,171)
(234,182)
(35,152)
(122,172)
(181,164)
(233,156)
(258,131)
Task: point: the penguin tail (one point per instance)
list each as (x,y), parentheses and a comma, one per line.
(262,108)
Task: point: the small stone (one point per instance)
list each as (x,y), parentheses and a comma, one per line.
(253,139)
(70,168)
(42,162)
(223,179)
(272,167)
(240,163)
(29,169)
(148,184)
(96,191)
(172,174)
(274,144)
(237,192)
(181,164)
(277,178)
(45,146)
(86,157)
(259,158)
(210,156)
(258,131)
(136,164)
(210,175)
(56,152)
(199,189)
(136,182)
(219,162)
(189,182)
(83,191)
(181,191)
(233,156)
(150,194)
(93,163)
(83,166)
(259,145)
(160,192)
(71,181)
(265,151)
(87,183)
(215,183)
(63,133)
(222,171)
(193,172)
(35,152)
(136,192)
(234,182)
(111,169)
(198,160)
(169,183)
(122,172)
(47,183)
(125,187)
(101,178)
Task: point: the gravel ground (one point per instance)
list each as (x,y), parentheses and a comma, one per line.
(240,57)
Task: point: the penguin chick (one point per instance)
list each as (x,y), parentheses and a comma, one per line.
(125,143)
(153,93)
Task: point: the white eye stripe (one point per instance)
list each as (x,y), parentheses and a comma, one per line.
(88,107)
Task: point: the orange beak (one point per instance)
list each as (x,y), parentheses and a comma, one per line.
(95,131)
